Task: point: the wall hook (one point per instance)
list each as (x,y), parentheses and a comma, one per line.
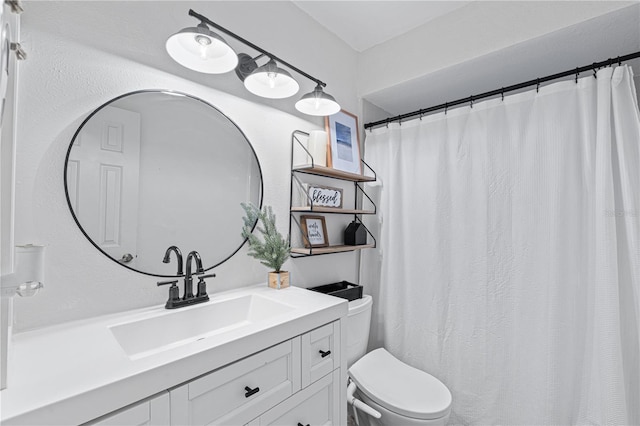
(15,5)
(20,53)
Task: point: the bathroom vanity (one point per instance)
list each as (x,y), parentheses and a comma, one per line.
(253,356)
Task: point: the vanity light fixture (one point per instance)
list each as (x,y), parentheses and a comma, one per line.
(200,49)
(318,103)
(271,81)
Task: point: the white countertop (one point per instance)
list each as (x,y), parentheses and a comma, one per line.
(75,372)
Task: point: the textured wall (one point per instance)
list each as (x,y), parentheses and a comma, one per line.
(61,82)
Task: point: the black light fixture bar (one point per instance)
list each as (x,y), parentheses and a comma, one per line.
(253,46)
(504,90)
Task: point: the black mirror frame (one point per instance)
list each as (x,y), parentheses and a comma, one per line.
(170,92)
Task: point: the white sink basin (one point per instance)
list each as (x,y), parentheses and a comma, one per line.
(169,329)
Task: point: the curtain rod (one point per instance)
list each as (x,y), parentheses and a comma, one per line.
(503,90)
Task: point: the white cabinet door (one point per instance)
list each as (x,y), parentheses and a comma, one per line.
(241,391)
(320,352)
(318,404)
(152,412)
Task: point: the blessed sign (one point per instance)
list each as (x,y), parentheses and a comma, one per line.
(324,196)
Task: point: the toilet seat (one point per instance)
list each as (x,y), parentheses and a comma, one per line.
(399,387)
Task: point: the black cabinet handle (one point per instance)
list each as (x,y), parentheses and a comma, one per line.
(300,424)
(324,354)
(251,391)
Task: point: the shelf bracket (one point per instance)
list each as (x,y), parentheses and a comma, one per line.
(303,189)
(375,243)
(304,237)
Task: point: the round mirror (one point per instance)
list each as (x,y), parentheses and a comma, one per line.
(153,169)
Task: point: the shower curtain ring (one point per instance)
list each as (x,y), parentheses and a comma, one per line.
(471,101)
(537,85)
(502,93)
(610,62)
(619,61)
(420,114)
(577,74)
(595,70)
(388,123)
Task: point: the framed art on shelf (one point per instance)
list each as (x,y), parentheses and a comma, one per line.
(344,142)
(325,196)
(314,231)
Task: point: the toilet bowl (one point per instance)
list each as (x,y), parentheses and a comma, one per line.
(403,395)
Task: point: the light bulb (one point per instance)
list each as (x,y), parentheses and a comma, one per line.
(203,40)
(272,79)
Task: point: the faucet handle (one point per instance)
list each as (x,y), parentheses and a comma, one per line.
(202,277)
(174,293)
(202,286)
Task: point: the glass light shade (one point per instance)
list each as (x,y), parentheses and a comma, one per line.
(318,103)
(202,50)
(269,81)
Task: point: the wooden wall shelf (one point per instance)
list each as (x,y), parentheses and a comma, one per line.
(330,249)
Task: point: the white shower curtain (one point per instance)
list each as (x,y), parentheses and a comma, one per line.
(508,259)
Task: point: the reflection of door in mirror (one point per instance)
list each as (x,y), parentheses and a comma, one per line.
(102,176)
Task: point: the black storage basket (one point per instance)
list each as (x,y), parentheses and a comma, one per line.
(343,289)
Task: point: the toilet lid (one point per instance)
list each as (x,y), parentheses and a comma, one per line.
(399,387)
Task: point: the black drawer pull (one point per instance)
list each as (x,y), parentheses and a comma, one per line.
(251,391)
(324,354)
(300,424)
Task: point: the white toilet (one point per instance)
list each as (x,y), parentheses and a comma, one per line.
(402,394)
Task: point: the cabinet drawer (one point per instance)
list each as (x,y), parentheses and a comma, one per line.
(152,412)
(240,391)
(315,405)
(320,352)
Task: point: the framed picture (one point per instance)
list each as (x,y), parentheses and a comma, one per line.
(344,142)
(325,196)
(315,231)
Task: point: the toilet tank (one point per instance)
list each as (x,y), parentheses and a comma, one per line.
(358,321)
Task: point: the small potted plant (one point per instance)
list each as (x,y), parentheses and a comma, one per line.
(273,250)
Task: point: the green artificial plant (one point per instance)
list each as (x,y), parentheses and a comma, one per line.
(274,250)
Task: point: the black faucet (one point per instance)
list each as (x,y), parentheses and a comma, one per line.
(178,253)
(188,298)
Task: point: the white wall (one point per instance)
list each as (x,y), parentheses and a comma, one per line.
(478,29)
(63,80)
